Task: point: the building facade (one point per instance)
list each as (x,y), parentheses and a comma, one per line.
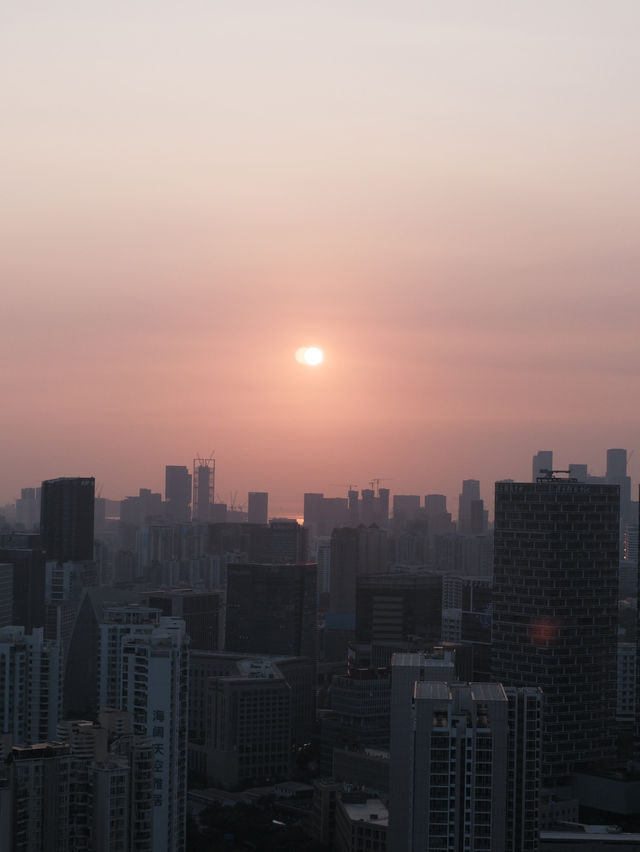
(555,611)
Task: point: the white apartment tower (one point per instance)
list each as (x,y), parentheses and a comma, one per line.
(145,670)
(465,763)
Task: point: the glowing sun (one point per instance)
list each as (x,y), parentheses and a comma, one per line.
(310,355)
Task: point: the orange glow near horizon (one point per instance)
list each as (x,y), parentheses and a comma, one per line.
(460,215)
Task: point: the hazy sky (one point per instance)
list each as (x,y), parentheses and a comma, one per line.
(442,195)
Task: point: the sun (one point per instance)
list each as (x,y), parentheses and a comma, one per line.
(310,355)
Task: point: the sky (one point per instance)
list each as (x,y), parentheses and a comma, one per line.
(443,196)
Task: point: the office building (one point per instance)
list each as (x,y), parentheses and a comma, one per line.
(66,520)
(249,727)
(359,715)
(390,608)
(272,609)
(555,611)
(258,507)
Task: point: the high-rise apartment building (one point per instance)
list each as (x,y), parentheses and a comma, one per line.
(464,765)
(555,611)
(144,670)
(30,685)
(272,609)
(155,690)
(66,519)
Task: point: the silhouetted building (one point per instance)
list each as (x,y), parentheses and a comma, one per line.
(354,552)
(66,521)
(28,579)
(390,608)
(272,609)
(555,611)
(204,475)
(438,518)
(406,507)
(470,492)
(258,507)
(200,611)
(177,491)
(543,460)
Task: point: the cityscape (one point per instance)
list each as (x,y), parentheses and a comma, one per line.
(319,469)
(385,674)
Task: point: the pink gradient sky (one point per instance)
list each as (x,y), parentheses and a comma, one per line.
(444,196)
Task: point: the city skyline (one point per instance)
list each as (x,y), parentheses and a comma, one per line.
(441,198)
(291,504)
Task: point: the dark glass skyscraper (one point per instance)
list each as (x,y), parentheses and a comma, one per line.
(66,518)
(555,611)
(272,609)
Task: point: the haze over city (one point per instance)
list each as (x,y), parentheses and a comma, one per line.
(442,197)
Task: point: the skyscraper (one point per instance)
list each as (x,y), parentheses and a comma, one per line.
(555,611)
(66,520)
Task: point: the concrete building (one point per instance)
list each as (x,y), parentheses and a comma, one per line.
(362,823)
(40,781)
(155,690)
(471,781)
(30,685)
(555,611)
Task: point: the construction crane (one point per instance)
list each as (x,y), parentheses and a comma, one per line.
(377,480)
(350,486)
